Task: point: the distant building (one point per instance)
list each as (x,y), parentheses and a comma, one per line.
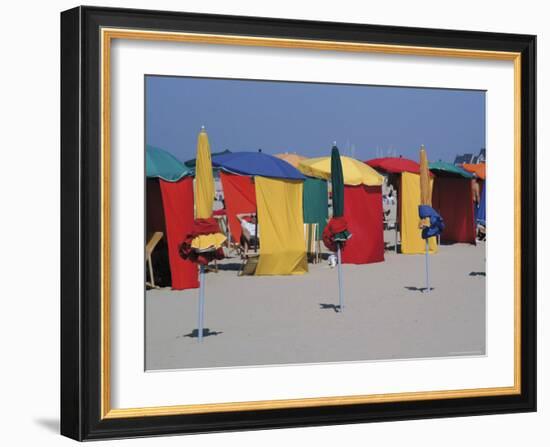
(471,158)
(481,156)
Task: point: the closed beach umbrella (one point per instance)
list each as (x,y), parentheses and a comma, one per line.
(431,222)
(425,196)
(204,243)
(425,200)
(337,226)
(337,180)
(204,179)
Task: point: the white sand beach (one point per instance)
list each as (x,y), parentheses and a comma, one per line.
(269,320)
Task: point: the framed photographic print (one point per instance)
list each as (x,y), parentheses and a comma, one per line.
(277,223)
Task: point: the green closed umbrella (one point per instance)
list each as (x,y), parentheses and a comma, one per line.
(337,180)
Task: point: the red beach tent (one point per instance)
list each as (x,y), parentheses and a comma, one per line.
(170,210)
(453,199)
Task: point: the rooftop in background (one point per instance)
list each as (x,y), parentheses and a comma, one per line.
(470,158)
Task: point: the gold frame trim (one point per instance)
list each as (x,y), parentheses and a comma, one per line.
(107,35)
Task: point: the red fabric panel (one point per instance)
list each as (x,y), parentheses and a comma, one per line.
(240,197)
(363,211)
(178,204)
(453,199)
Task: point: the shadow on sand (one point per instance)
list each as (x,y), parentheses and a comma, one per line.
(230,266)
(334,307)
(418,289)
(205,333)
(477,274)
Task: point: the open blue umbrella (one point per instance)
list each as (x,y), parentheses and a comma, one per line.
(256,163)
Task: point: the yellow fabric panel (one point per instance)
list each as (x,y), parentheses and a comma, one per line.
(280,217)
(204,179)
(409,198)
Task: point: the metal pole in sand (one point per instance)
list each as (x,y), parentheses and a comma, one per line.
(201,303)
(427,266)
(340,285)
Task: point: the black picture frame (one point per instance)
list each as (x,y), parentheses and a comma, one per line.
(81,218)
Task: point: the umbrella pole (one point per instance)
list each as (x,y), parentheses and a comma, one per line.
(201,303)
(427,266)
(340,285)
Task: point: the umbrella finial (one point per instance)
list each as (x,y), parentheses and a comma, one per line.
(203,129)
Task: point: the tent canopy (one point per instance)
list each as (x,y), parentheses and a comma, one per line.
(163,165)
(394,165)
(477,169)
(355,171)
(443,168)
(256,163)
(193,162)
(291,158)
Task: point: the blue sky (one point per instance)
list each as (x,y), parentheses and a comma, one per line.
(365,121)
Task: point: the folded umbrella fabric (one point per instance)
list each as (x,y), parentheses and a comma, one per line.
(436,221)
(204,231)
(335,232)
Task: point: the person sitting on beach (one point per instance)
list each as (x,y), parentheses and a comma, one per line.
(250,236)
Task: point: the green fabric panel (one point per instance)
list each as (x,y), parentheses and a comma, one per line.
(315,202)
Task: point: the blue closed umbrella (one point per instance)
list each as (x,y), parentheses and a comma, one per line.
(256,163)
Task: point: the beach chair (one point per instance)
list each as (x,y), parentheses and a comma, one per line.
(249,258)
(224,227)
(149,247)
(313,243)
